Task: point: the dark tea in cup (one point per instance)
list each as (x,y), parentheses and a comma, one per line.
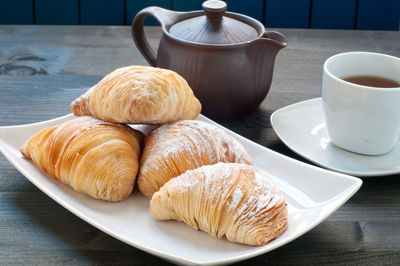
(373,81)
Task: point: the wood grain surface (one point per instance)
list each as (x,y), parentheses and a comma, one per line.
(43,68)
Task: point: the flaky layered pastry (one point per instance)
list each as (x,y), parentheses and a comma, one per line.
(174,148)
(94,157)
(225,199)
(139,94)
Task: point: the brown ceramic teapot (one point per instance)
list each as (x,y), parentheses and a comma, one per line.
(227,58)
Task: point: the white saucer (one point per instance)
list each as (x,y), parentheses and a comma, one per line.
(301,127)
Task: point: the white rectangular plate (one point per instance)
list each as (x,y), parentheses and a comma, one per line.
(312,194)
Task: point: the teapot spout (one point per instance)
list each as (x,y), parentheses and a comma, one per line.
(261,55)
(275,38)
(270,41)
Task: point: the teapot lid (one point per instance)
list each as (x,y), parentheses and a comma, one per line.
(215,27)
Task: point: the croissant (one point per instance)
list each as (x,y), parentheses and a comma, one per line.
(139,94)
(174,148)
(225,199)
(94,157)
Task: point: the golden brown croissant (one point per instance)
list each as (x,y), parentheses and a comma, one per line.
(225,199)
(174,148)
(94,157)
(139,94)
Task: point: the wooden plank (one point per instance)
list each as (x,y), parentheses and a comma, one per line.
(287,13)
(102,12)
(16,12)
(134,6)
(338,14)
(378,15)
(60,12)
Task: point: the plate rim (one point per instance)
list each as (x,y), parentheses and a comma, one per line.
(350,191)
(273,120)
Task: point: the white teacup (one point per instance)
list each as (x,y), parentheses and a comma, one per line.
(359,118)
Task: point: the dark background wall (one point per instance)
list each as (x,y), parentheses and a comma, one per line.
(320,14)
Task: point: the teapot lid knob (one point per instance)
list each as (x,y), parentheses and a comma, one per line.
(214,9)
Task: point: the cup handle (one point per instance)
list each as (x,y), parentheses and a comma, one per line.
(164,16)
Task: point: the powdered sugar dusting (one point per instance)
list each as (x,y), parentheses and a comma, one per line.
(260,179)
(236,197)
(177,147)
(214,174)
(263,196)
(198,137)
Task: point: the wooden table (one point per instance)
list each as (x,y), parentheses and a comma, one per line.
(43,68)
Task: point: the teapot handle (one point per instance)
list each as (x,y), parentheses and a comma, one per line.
(164,16)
